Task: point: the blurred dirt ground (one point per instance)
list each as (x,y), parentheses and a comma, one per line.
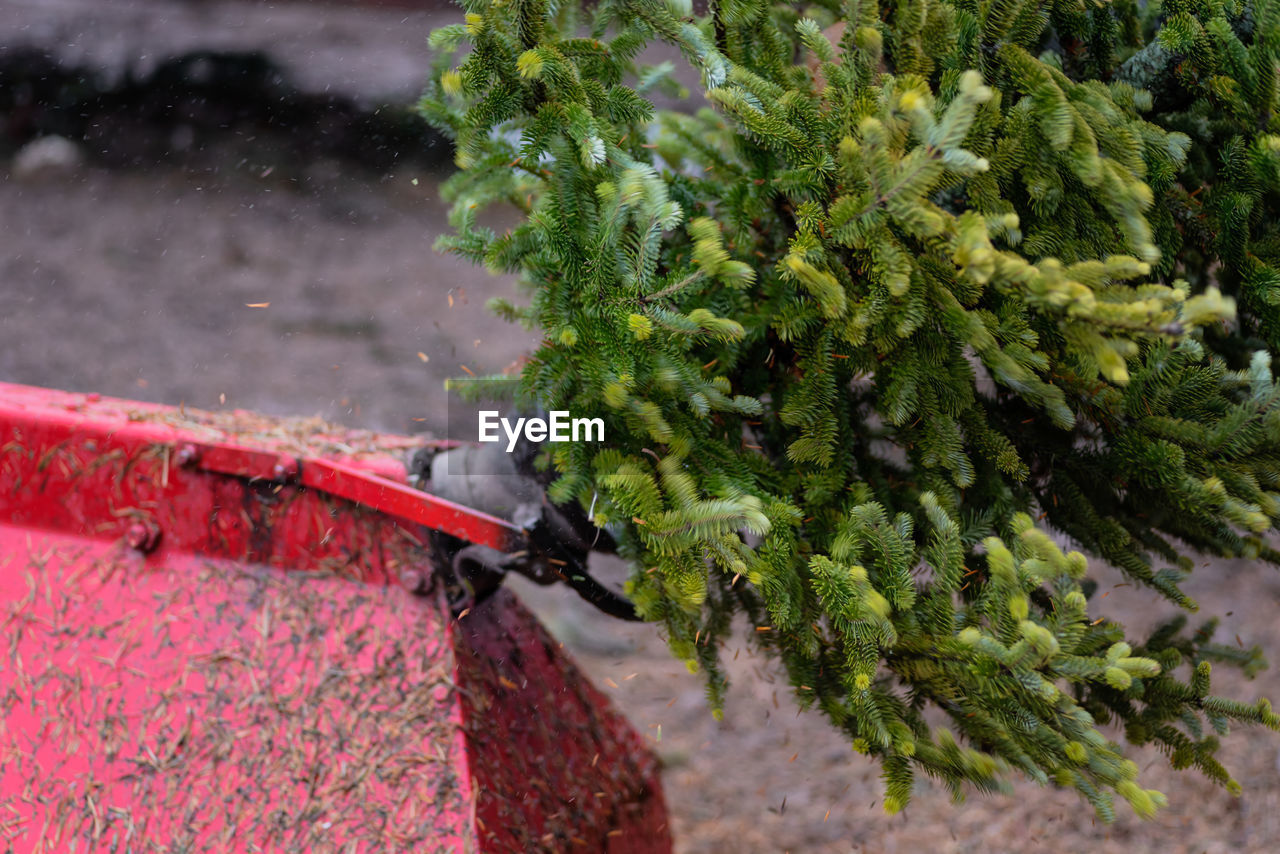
(136,282)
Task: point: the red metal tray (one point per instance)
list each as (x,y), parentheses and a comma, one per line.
(204,649)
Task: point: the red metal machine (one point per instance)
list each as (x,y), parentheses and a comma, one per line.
(206,645)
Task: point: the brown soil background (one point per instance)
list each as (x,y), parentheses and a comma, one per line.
(134,282)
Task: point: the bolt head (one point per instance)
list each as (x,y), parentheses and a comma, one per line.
(285,470)
(414,579)
(143,536)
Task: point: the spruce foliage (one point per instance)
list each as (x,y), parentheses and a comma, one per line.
(927,281)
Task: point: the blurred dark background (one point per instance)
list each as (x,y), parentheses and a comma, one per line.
(171,162)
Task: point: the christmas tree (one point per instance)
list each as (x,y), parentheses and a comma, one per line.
(929,289)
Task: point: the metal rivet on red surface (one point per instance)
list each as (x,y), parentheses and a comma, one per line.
(187,454)
(414,580)
(286,470)
(143,536)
